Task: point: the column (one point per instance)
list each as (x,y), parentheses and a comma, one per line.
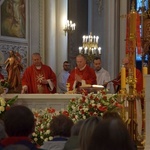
(61,42)
(123,13)
(50,33)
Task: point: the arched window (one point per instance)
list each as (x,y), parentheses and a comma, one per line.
(139,5)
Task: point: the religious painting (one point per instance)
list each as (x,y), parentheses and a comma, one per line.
(13,18)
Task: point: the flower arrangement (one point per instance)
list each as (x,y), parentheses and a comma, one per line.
(92,104)
(4,84)
(43,117)
(6,104)
(79,108)
(42,131)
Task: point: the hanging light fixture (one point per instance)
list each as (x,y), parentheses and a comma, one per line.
(69,27)
(90,46)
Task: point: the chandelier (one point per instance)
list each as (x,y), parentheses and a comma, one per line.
(69,27)
(90,46)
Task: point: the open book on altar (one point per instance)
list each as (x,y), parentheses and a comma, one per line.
(92,88)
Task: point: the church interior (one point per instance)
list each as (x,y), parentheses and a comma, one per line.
(41,26)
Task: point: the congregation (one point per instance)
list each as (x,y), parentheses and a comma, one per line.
(94,133)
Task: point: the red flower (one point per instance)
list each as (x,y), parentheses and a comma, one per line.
(82,112)
(83,99)
(111,100)
(91,113)
(51,110)
(91,97)
(102,108)
(7,108)
(80,107)
(118,105)
(105,97)
(103,92)
(73,100)
(90,106)
(96,99)
(65,113)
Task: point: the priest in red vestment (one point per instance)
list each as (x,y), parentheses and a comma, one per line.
(139,77)
(82,74)
(38,78)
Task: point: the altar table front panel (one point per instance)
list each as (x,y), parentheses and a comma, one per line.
(41,101)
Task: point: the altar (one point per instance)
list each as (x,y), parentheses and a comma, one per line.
(41,101)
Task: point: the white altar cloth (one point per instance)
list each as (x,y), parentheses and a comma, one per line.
(37,101)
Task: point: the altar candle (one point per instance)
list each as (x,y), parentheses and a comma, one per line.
(145,71)
(133,16)
(123,77)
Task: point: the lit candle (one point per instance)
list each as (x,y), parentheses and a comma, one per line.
(74,25)
(133,16)
(85,50)
(80,49)
(123,77)
(86,38)
(145,71)
(99,50)
(83,38)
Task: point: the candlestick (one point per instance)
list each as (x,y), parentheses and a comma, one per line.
(123,77)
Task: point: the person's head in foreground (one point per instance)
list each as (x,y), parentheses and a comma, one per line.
(111,134)
(61,126)
(19,121)
(86,131)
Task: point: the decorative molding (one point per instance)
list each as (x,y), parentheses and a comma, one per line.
(100,6)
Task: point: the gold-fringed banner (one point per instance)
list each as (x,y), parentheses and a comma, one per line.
(133,39)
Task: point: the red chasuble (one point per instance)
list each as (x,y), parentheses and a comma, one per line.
(1,76)
(139,82)
(87,74)
(33,76)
